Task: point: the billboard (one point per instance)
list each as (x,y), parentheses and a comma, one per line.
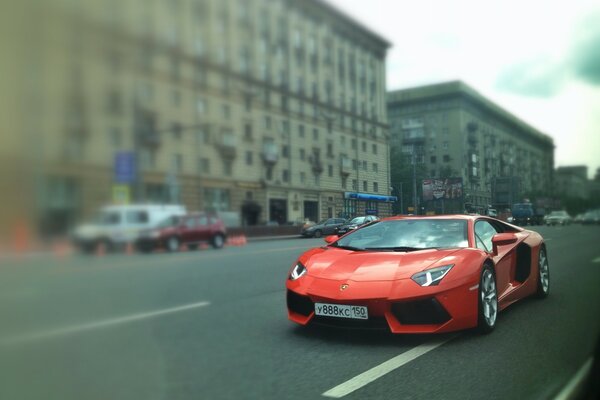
(447,188)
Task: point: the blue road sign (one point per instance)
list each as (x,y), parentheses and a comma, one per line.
(125,171)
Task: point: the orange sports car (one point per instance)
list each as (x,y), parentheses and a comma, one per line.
(419,275)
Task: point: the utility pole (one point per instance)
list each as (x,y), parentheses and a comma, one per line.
(414,164)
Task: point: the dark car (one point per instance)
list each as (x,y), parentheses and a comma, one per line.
(189,230)
(525,214)
(354,224)
(325,227)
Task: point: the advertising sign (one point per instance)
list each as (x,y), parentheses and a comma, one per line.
(121,194)
(448,188)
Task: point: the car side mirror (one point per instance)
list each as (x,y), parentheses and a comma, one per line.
(503,239)
(331,238)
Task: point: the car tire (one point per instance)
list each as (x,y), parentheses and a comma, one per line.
(217,241)
(173,244)
(543,282)
(487,300)
(318,233)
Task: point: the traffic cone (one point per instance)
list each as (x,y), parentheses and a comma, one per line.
(243,240)
(129,249)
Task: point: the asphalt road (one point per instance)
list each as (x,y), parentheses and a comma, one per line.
(212,324)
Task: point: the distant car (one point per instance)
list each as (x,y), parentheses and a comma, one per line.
(591,217)
(354,224)
(325,227)
(189,230)
(578,218)
(558,218)
(524,214)
(492,212)
(418,275)
(118,225)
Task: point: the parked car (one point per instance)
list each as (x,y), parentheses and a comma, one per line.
(492,212)
(189,230)
(591,217)
(558,218)
(325,227)
(118,225)
(354,224)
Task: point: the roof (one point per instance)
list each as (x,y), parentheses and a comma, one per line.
(454,88)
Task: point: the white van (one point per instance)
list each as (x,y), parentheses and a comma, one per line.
(116,226)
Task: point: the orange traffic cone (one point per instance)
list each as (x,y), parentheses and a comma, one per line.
(129,249)
(101,249)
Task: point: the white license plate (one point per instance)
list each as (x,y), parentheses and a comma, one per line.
(341,311)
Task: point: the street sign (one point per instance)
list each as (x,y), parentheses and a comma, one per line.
(125,171)
(121,194)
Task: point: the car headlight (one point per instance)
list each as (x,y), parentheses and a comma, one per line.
(297,271)
(431,277)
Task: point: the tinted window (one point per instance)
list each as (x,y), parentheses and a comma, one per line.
(109,218)
(136,217)
(190,223)
(484,232)
(203,220)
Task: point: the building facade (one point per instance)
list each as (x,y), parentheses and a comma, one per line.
(263,110)
(572,181)
(450,130)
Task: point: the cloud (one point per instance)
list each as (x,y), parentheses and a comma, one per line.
(585,56)
(545,76)
(539,77)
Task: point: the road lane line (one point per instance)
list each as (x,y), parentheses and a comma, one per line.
(572,388)
(596,260)
(73,329)
(382,369)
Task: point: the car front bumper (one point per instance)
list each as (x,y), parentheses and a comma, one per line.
(407,307)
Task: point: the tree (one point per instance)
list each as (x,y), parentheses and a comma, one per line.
(401,172)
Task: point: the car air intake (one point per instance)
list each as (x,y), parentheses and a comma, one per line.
(420,312)
(299,304)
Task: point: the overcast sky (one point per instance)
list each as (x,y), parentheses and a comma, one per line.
(538,59)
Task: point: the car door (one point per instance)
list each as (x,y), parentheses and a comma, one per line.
(203,229)
(504,260)
(329,227)
(187,229)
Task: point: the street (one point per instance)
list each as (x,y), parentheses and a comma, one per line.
(212,324)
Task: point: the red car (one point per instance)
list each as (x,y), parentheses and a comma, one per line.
(189,230)
(419,275)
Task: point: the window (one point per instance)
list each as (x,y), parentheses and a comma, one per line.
(375,187)
(354,184)
(302,177)
(364,165)
(302,154)
(285,151)
(329,149)
(375,167)
(249,158)
(484,231)
(330,170)
(227,167)
(374,148)
(315,134)
(178,162)
(204,165)
(365,186)
(433,159)
(301,130)
(267,122)
(353,144)
(445,145)
(248,131)
(446,158)
(136,217)
(285,175)
(364,146)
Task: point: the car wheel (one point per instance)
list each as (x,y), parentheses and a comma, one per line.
(173,244)
(318,233)
(218,241)
(543,286)
(487,301)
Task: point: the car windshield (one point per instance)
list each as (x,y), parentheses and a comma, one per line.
(407,235)
(558,213)
(358,220)
(522,207)
(169,222)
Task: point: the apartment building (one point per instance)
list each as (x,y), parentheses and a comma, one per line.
(263,110)
(452,131)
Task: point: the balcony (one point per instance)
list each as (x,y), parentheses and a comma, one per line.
(227,145)
(345,166)
(270,153)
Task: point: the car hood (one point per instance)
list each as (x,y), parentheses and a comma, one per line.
(368,266)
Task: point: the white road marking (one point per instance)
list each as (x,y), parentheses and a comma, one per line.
(382,369)
(574,384)
(596,260)
(69,330)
